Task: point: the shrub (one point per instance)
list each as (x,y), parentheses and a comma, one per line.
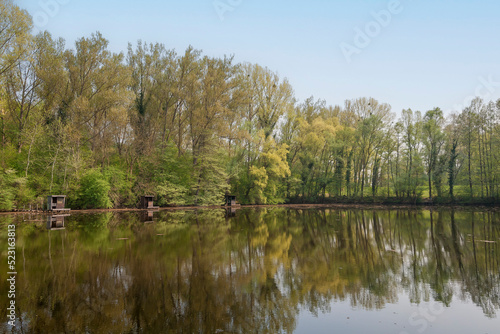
(121,185)
(94,191)
(172,194)
(13,191)
(7,193)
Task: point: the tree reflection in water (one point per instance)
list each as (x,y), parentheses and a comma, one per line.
(204,272)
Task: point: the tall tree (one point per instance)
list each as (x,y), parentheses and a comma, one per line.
(468,123)
(412,127)
(21,83)
(207,106)
(15,27)
(372,118)
(273,97)
(433,140)
(98,82)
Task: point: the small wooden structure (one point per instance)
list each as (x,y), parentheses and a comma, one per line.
(56,222)
(147,203)
(231,200)
(56,203)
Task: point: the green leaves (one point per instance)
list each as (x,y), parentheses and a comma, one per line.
(172,194)
(13,190)
(211,178)
(15,26)
(7,193)
(94,191)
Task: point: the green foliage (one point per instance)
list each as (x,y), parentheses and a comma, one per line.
(210,179)
(259,179)
(121,184)
(452,167)
(14,192)
(172,178)
(14,35)
(7,191)
(94,191)
(24,194)
(171,194)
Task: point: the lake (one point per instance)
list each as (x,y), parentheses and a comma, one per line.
(267,270)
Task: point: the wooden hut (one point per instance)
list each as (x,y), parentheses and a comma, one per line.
(56,203)
(147,202)
(231,200)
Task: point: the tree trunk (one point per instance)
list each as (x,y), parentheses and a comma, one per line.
(430,185)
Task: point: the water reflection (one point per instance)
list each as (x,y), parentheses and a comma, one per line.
(56,222)
(231,211)
(147,217)
(205,272)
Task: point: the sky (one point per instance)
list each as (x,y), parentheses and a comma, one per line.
(417,54)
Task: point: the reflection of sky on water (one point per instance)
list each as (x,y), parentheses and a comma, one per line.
(401,318)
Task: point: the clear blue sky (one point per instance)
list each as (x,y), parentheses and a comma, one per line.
(432,53)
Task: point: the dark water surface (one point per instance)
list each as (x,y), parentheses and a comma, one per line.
(260,271)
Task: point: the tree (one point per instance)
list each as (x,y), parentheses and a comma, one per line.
(412,127)
(207,105)
(433,140)
(468,123)
(98,84)
(15,27)
(272,98)
(32,83)
(371,119)
(155,80)
(454,161)
(265,100)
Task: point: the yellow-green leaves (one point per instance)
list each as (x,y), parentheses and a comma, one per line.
(15,26)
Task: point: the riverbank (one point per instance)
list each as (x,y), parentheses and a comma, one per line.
(360,206)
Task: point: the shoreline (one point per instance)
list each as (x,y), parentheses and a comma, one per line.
(360,206)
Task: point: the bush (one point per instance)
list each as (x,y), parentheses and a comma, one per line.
(13,191)
(94,191)
(172,194)
(121,185)
(7,193)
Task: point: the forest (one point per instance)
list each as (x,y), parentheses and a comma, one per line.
(105,128)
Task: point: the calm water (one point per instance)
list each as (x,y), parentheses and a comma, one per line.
(259,271)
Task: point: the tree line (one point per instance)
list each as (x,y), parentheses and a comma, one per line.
(105,128)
